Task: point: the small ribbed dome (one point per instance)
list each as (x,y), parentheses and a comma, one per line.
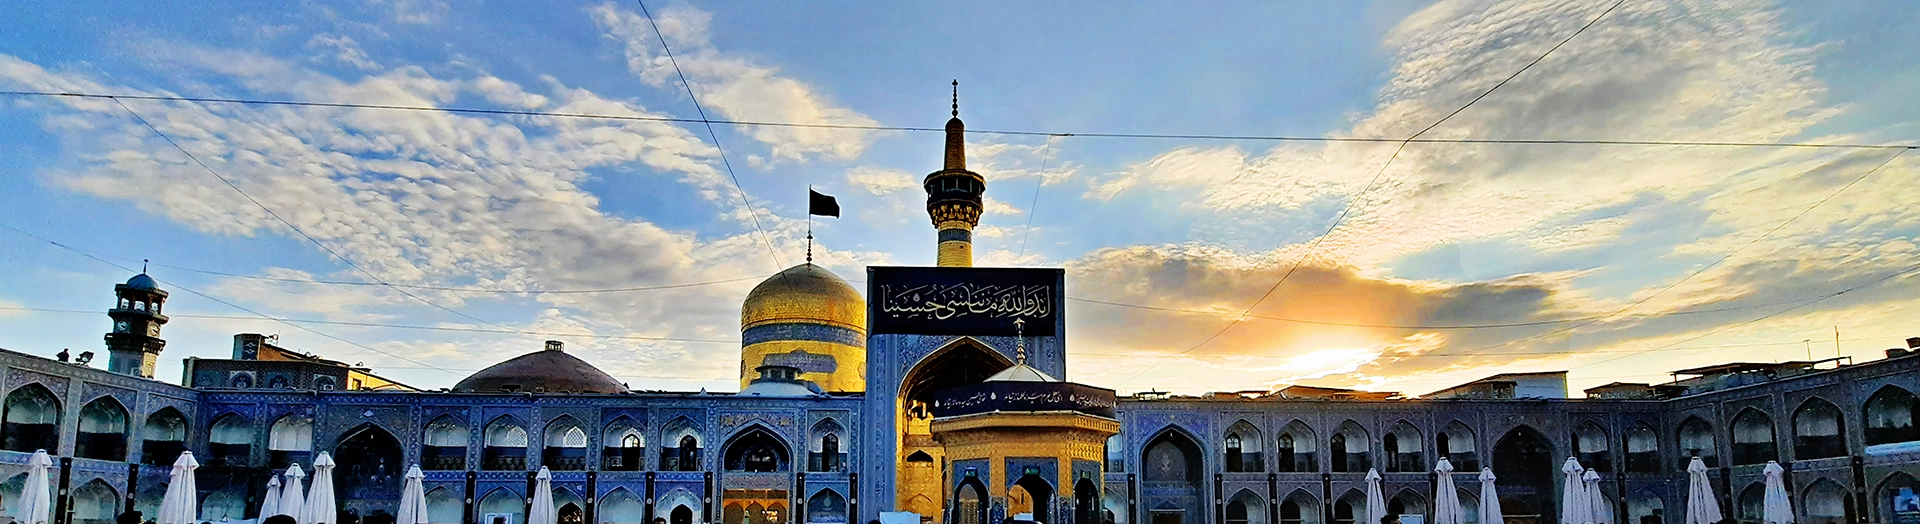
(142,282)
(552,370)
(807,294)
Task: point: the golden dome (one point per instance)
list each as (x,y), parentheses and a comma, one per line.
(805,294)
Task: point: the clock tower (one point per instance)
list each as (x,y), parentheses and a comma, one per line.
(134,344)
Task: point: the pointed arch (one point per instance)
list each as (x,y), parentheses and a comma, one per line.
(1696,440)
(1592,447)
(1350,448)
(1300,507)
(963,361)
(444,447)
(1523,465)
(95,502)
(1242,446)
(163,437)
(444,506)
(680,442)
(504,445)
(30,420)
(1457,443)
(229,441)
(102,430)
(1751,502)
(1818,431)
(1298,448)
(289,440)
(502,501)
(564,496)
(1401,445)
(1408,502)
(1643,449)
(1246,507)
(826,451)
(1753,441)
(621,506)
(1350,508)
(1172,455)
(756,449)
(1890,414)
(1826,501)
(827,507)
(623,446)
(1896,485)
(679,504)
(369,461)
(565,445)
(1644,503)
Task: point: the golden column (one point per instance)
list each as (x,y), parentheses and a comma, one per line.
(954,195)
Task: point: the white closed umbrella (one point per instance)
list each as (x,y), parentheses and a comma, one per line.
(270,502)
(320,505)
(1601,513)
(1446,501)
(293,497)
(1376,502)
(1489,499)
(413,498)
(1778,509)
(1702,507)
(181,504)
(36,497)
(543,511)
(1574,508)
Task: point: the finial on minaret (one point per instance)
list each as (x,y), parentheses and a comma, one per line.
(1019,342)
(143,266)
(956,98)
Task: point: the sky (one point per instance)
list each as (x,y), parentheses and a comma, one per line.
(1193,264)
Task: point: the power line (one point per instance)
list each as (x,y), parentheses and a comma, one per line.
(1171,136)
(1034,206)
(1520,353)
(751,213)
(289,224)
(1716,263)
(176,285)
(405,326)
(1892,276)
(1355,201)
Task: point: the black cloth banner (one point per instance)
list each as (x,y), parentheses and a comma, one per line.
(823,205)
(964,300)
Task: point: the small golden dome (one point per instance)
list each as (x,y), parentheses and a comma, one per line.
(805,294)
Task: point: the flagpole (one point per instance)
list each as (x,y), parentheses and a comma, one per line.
(809,224)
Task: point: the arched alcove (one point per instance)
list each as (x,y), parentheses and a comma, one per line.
(163,437)
(1890,415)
(1242,447)
(1818,431)
(95,503)
(1696,440)
(970,502)
(1402,447)
(502,502)
(1826,502)
(566,446)
(368,465)
(229,441)
(1350,448)
(1523,467)
(826,452)
(1643,449)
(1753,438)
(681,443)
(1246,508)
(445,445)
(289,441)
(30,420)
(623,446)
(1591,445)
(1457,443)
(756,450)
(444,507)
(1300,507)
(504,445)
(826,507)
(1298,449)
(103,430)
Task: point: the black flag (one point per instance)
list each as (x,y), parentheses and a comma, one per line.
(823,205)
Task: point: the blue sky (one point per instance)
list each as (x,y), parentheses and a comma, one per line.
(1630,237)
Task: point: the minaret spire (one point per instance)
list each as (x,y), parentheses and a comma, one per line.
(1019,342)
(954,195)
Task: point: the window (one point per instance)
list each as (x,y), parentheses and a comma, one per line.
(1403,449)
(1297,447)
(446,445)
(231,441)
(1590,442)
(625,448)
(31,420)
(504,446)
(566,446)
(290,441)
(103,431)
(163,437)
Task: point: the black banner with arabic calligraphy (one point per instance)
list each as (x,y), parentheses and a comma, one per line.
(982,301)
(988,397)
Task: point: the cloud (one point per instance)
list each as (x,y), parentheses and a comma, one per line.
(733,87)
(879,181)
(343,49)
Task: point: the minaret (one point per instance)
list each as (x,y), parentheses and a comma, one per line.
(135,343)
(953,195)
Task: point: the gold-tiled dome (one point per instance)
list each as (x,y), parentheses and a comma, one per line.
(805,294)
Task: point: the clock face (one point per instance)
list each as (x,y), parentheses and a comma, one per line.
(120,327)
